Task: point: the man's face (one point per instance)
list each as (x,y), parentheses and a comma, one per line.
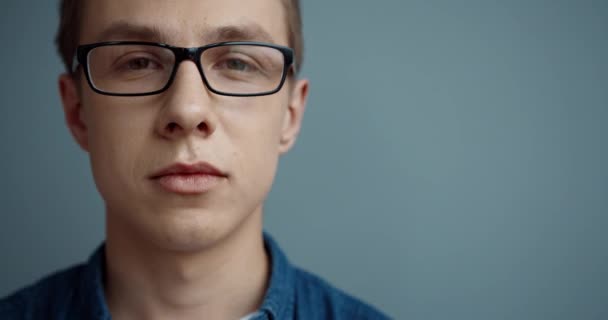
(129,139)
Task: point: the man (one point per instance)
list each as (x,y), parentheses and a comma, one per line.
(184,108)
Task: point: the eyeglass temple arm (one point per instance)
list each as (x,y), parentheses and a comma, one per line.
(75,62)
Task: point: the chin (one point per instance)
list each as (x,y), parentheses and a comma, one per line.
(192,230)
(179,228)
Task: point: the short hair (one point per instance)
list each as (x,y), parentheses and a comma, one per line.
(70,17)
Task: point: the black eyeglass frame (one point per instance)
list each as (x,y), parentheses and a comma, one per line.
(193,54)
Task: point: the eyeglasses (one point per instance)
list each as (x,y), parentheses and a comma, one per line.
(133,68)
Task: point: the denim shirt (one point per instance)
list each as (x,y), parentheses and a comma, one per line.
(77,293)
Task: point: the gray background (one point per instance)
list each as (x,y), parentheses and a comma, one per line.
(452,163)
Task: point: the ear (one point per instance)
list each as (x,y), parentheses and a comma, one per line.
(72,109)
(293,117)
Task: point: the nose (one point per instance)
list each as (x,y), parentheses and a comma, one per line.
(187,107)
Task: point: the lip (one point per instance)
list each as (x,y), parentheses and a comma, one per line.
(184,169)
(188,179)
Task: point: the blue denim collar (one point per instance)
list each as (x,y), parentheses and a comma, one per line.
(93,303)
(278,301)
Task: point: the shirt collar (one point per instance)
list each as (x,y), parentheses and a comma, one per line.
(278,300)
(93,302)
(280,295)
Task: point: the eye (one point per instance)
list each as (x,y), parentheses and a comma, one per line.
(141,63)
(236,64)
(240,64)
(138,63)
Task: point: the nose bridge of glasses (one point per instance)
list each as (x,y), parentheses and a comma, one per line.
(192,54)
(182,54)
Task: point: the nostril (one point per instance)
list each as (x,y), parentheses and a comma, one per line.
(171,127)
(202,126)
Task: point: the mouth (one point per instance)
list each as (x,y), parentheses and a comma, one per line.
(188,179)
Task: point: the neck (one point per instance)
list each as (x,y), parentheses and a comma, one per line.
(225,280)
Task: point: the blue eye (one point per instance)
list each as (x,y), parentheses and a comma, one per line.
(237,65)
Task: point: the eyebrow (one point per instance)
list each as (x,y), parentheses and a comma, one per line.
(123,30)
(250,31)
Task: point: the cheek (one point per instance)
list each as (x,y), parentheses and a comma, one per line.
(259,151)
(255,134)
(116,139)
(257,164)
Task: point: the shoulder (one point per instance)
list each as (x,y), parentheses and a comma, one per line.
(314,294)
(43,298)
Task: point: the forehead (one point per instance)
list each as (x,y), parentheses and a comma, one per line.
(184,22)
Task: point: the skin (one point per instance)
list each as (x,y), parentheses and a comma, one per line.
(172,256)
